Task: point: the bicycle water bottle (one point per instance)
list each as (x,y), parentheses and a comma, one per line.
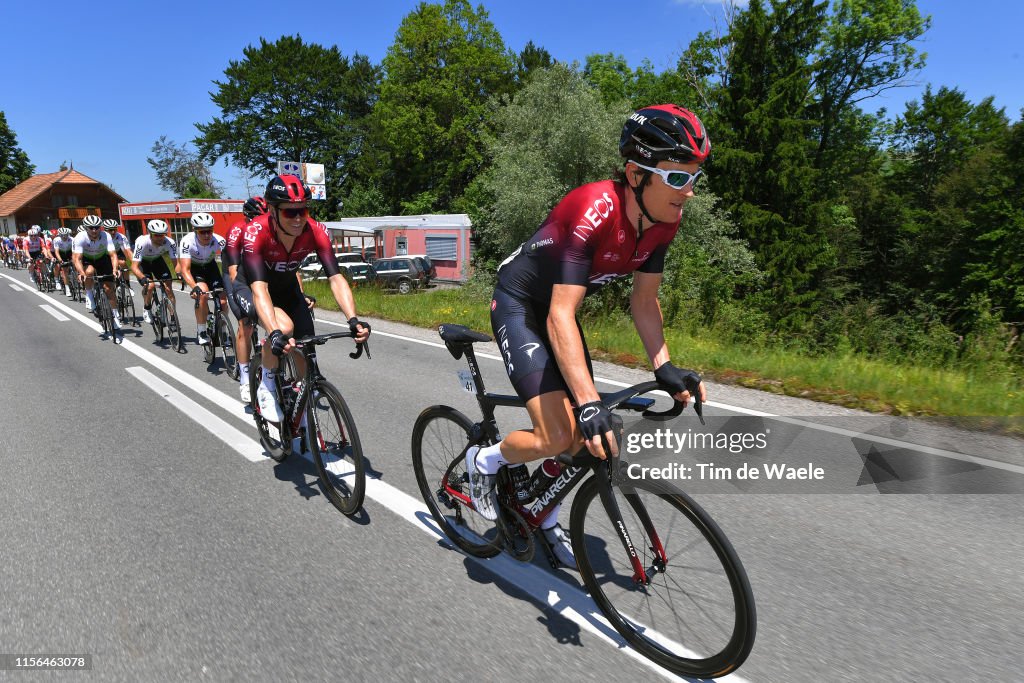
(521,481)
(548,471)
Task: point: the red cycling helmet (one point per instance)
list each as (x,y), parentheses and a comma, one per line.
(664,132)
(287,188)
(254,206)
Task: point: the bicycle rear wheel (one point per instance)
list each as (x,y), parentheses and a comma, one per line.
(439,441)
(126,303)
(210,350)
(695,614)
(226,340)
(332,439)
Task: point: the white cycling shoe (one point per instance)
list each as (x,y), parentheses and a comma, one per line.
(561,546)
(481,487)
(268,404)
(245,393)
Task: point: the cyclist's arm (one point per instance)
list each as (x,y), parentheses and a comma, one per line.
(76,261)
(647,316)
(136,270)
(343,295)
(567,343)
(185,268)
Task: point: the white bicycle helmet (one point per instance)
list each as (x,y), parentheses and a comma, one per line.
(110,224)
(201,221)
(64,232)
(157,227)
(91,221)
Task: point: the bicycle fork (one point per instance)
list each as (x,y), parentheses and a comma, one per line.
(641,576)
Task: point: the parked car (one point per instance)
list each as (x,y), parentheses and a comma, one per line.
(358,273)
(313,270)
(400,272)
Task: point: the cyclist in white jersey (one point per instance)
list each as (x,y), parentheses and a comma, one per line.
(62,251)
(148,263)
(197,257)
(92,253)
(122,246)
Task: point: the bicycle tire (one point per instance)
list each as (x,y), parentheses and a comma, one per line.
(226,340)
(703,575)
(173,326)
(440,437)
(210,350)
(270,435)
(106,314)
(333,441)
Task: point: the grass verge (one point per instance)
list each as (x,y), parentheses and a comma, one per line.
(851,381)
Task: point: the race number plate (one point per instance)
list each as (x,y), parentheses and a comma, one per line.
(466,380)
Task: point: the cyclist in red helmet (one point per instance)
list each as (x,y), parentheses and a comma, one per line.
(597,233)
(273,247)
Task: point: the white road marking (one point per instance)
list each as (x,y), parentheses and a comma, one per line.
(54,312)
(249,448)
(16,288)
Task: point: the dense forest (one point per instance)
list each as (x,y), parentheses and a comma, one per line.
(824,225)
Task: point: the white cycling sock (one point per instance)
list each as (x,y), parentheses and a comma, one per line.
(489,460)
(268,379)
(552,519)
(243,373)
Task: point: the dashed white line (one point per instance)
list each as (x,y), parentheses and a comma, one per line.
(54,312)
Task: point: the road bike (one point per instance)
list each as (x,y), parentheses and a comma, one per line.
(164,316)
(329,432)
(660,570)
(124,298)
(101,306)
(220,332)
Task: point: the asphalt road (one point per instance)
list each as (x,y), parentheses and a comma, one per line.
(142,526)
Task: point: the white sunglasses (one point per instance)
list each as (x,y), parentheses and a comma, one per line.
(674,179)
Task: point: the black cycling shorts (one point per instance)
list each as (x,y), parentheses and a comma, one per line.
(155,269)
(209,273)
(521,330)
(291,301)
(103,265)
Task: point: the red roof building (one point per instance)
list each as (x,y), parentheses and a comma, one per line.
(55,200)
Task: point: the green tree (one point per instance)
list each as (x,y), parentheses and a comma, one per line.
(14,163)
(556,134)
(181,171)
(867,48)
(447,61)
(531,58)
(765,148)
(292,101)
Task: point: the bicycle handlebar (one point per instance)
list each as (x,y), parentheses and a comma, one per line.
(318,339)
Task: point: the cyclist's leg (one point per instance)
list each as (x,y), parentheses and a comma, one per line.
(90,271)
(241,305)
(202,309)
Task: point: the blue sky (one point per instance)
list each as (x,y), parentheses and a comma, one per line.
(97,83)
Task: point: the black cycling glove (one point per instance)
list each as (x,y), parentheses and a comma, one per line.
(277,342)
(678,380)
(594,419)
(353,322)
(197,291)
(143,280)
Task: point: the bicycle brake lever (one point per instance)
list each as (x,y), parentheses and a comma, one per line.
(359,351)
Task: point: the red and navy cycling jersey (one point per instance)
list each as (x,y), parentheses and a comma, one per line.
(585,240)
(265,259)
(232,253)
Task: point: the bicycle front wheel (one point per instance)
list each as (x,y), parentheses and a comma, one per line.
(226,340)
(334,443)
(270,432)
(694,613)
(439,441)
(173,326)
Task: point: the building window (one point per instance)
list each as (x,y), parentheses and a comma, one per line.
(444,248)
(56,200)
(179,228)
